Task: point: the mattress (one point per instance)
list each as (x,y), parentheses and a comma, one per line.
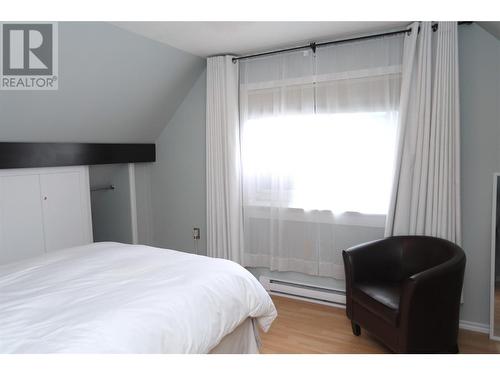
(115,298)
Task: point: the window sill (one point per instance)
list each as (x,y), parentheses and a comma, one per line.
(317,216)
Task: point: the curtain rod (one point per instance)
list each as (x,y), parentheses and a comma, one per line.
(314,45)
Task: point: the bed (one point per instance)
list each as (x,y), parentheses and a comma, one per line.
(115,298)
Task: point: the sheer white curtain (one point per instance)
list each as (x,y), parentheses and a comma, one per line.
(224,202)
(318,137)
(426,192)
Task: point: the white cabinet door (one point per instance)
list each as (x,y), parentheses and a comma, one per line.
(65,209)
(21,224)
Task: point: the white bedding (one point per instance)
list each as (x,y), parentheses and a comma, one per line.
(114,298)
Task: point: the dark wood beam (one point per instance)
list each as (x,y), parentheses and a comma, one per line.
(31,155)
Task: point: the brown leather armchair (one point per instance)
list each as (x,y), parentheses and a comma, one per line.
(405,290)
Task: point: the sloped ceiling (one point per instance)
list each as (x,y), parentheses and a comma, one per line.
(114,86)
(492,27)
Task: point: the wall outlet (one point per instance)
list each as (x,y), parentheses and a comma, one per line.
(196,233)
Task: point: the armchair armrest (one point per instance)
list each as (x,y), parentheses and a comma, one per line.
(446,277)
(430,301)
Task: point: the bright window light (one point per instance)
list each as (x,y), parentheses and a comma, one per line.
(339,162)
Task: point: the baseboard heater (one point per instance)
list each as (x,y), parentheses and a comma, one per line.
(303,291)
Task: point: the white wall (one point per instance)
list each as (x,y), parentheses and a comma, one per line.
(480,131)
(178,176)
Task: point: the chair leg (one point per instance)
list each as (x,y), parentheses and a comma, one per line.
(356,329)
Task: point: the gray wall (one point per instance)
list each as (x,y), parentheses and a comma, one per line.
(111,215)
(143,203)
(114,86)
(178,176)
(480,131)
(111,209)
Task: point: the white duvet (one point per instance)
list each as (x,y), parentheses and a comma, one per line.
(115,298)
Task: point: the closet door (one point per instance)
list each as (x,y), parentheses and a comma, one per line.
(65,208)
(21,227)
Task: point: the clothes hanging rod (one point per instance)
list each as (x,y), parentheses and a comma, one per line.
(102,188)
(313,45)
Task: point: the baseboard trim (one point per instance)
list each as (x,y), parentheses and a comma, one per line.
(327,303)
(475,327)
(463,324)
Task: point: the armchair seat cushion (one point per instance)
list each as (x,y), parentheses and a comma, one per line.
(381,298)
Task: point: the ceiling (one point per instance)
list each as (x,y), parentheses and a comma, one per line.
(212,38)
(491,27)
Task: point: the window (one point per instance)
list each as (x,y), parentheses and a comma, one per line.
(341,162)
(317,146)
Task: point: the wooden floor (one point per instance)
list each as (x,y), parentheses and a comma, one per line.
(303,327)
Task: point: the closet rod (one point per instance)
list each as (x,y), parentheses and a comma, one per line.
(102,188)
(314,45)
